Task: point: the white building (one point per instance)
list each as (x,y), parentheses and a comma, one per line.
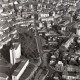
(47,19)
(68,43)
(1,9)
(43,14)
(20,70)
(78,32)
(1,46)
(40,25)
(15,53)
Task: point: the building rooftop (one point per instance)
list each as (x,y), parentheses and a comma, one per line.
(14,31)
(51,34)
(41,73)
(72,74)
(71,68)
(6,40)
(18,69)
(3,36)
(28,71)
(15,45)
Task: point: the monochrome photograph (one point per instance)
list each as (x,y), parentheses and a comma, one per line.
(39,39)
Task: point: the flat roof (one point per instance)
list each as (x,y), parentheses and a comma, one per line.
(49,34)
(16,72)
(27,72)
(38,74)
(25,24)
(15,45)
(41,73)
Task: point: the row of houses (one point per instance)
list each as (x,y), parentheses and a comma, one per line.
(8,32)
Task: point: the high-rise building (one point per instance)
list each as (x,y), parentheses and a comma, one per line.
(15,53)
(20,69)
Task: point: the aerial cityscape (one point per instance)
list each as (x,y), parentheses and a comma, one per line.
(39,39)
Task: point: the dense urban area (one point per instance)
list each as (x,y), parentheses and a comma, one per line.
(39,39)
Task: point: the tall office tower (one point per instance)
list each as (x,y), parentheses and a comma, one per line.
(15,53)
